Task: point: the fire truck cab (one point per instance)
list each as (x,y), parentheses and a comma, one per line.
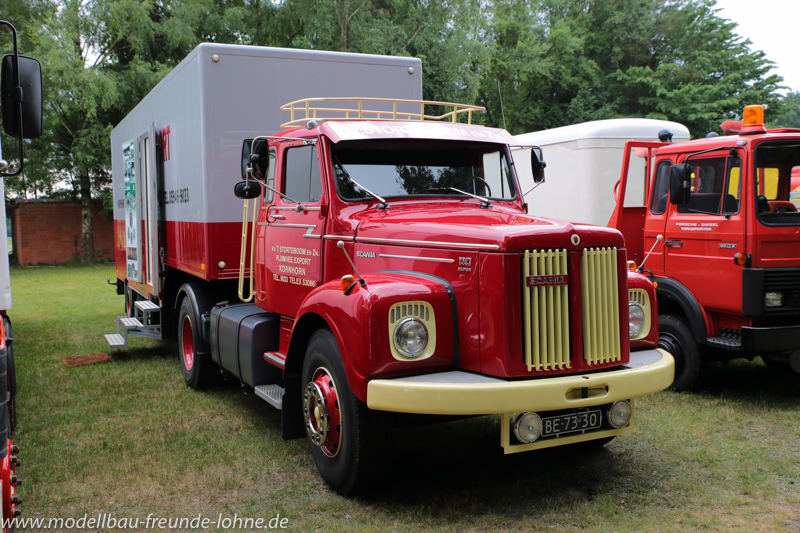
(719,219)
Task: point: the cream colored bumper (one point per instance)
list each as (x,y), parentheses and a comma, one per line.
(462,393)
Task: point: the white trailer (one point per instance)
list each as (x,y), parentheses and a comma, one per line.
(583,164)
(177,155)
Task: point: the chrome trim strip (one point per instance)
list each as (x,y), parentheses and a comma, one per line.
(433,243)
(310,235)
(276,359)
(338,238)
(434,259)
(301,226)
(276,208)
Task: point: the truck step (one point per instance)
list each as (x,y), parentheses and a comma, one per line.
(146,305)
(272,394)
(115,340)
(727,343)
(128,322)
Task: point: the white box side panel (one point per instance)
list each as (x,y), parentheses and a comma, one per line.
(245,88)
(175,102)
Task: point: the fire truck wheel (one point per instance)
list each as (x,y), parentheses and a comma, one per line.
(342,432)
(197,367)
(676,338)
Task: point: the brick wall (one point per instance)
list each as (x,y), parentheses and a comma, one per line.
(49,231)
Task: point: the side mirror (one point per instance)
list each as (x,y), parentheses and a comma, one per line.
(29,92)
(247,190)
(537,165)
(680,182)
(258,157)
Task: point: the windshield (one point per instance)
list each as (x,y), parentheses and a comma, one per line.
(778,183)
(398,167)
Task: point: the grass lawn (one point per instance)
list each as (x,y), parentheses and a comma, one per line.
(127,438)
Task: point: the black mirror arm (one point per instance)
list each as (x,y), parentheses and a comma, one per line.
(18,97)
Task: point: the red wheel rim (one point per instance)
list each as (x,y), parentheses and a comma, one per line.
(322,414)
(187,343)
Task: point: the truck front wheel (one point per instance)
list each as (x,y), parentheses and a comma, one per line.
(676,338)
(197,367)
(342,432)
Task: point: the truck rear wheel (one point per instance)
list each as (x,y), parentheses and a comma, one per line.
(343,434)
(197,367)
(130,299)
(676,338)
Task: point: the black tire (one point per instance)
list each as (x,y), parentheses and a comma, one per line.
(130,299)
(198,368)
(676,338)
(345,442)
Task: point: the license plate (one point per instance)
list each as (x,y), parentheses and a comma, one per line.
(556,425)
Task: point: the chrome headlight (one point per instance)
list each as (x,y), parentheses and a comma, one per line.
(410,337)
(528,427)
(412,330)
(619,414)
(636,319)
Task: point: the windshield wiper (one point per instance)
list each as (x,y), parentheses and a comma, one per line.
(485,203)
(350,181)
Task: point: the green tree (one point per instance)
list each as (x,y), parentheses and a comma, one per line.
(789,112)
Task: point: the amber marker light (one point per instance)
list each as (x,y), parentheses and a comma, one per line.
(753,120)
(753,115)
(349,284)
(741,259)
(631,265)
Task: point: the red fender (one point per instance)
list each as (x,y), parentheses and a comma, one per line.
(360,323)
(640,281)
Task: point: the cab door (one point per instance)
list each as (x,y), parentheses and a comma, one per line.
(295,225)
(703,235)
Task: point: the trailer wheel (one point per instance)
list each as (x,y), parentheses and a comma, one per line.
(676,338)
(130,299)
(343,434)
(196,367)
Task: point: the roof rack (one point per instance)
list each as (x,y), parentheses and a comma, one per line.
(308,109)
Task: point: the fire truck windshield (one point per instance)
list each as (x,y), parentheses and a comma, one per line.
(399,167)
(778,183)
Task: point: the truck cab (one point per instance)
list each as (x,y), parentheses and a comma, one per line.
(396,272)
(728,267)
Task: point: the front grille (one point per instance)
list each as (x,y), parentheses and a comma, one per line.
(546,316)
(786,281)
(600,306)
(546,310)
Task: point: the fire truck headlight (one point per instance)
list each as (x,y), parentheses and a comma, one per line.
(619,414)
(410,337)
(528,427)
(773,299)
(636,319)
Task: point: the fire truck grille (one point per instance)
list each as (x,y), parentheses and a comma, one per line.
(545,318)
(786,281)
(600,306)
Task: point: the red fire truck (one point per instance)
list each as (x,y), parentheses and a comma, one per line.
(389,268)
(21,94)
(720,218)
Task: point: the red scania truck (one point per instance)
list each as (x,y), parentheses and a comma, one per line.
(389,262)
(720,215)
(21,102)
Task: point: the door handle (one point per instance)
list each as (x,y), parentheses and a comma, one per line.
(673,243)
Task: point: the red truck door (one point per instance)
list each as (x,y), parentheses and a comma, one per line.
(632,192)
(702,236)
(293,240)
